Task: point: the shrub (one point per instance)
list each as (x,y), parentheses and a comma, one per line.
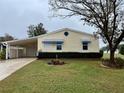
(56,62)
(101,53)
(121,51)
(2,54)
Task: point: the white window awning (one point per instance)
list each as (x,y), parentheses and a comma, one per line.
(86,41)
(56,41)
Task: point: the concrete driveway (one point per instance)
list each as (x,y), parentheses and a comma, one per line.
(8,67)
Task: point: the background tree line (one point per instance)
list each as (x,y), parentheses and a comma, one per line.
(120,48)
(6,37)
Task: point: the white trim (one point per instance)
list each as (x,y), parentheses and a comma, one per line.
(12,47)
(33,38)
(7,51)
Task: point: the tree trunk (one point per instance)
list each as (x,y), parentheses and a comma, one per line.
(112,59)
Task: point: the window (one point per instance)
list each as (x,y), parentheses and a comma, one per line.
(66,33)
(85,46)
(59,47)
(46,45)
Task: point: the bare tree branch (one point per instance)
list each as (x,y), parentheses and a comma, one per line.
(106,15)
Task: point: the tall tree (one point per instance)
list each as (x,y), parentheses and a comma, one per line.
(106,15)
(36,30)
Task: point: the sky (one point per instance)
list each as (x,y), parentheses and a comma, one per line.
(17,15)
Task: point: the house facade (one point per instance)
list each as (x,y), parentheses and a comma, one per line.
(61,41)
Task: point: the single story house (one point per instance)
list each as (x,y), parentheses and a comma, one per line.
(62,42)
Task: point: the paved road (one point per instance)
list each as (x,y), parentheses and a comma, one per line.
(8,67)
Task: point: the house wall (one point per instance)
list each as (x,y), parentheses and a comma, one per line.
(29,50)
(72,42)
(13,53)
(16,52)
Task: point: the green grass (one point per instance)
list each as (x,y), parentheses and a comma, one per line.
(106,55)
(77,76)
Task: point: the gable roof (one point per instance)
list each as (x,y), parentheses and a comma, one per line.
(66,29)
(77,31)
(26,39)
(53,32)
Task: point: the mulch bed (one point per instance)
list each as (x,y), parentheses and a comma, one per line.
(119,63)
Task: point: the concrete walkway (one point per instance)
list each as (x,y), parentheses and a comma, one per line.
(8,67)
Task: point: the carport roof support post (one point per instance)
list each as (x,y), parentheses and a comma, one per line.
(7,51)
(17,53)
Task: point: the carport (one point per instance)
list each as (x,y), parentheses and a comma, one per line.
(21,48)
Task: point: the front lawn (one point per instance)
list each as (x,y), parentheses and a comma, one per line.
(77,76)
(107,55)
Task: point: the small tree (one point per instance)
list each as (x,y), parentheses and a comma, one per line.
(7,37)
(105,15)
(121,50)
(2,54)
(36,30)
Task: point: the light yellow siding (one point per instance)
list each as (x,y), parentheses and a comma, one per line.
(31,49)
(72,42)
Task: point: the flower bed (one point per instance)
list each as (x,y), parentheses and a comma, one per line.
(56,62)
